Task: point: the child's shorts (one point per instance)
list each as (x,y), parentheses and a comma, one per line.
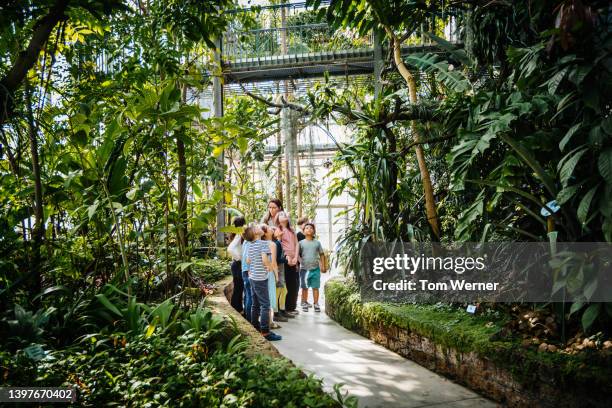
(313,280)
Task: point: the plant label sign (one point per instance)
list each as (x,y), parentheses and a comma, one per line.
(471,309)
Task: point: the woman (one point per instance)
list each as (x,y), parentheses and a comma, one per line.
(291,249)
(235,251)
(274,207)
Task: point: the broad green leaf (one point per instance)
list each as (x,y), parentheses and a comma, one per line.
(590,288)
(197,191)
(606,125)
(218,150)
(590,315)
(604,164)
(568,136)
(531,161)
(553,83)
(569,164)
(566,194)
(585,203)
(576,306)
(91,210)
(108,304)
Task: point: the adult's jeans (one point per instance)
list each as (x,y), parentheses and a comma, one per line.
(248,296)
(236,300)
(260,311)
(292,280)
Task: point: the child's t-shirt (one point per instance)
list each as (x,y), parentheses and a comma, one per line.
(257,269)
(310,250)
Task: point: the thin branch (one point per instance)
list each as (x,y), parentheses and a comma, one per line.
(282,105)
(27,58)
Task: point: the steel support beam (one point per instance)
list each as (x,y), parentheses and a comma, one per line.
(217,83)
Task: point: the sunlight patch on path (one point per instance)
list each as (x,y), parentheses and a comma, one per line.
(379,377)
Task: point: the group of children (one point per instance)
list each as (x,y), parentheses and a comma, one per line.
(270,261)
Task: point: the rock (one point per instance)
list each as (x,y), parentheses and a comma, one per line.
(542,348)
(607,344)
(552,347)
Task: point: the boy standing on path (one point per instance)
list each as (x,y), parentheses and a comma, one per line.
(312,263)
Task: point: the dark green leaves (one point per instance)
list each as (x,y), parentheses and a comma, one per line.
(604,164)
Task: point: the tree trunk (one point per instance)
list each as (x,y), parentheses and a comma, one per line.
(27,58)
(286,127)
(430,204)
(39,226)
(298,175)
(181,229)
(298,170)
(279,173)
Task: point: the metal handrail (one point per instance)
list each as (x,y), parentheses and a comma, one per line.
(260,30)
(301,4)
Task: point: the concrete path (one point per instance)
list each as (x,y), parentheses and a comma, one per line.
(379,377)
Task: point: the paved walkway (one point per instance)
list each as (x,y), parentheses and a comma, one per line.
(379,377)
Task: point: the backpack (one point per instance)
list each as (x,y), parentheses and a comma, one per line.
(326,263)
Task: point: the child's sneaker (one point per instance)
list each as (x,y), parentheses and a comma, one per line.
(306,304)
(275,325)
(304,308)
(316,307)
(273,337)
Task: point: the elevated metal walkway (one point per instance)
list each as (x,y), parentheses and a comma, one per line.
(305,65)
(295,44)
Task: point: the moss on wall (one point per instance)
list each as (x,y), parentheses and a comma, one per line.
(453,328)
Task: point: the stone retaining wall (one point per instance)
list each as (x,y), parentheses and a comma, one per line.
(219,303)
(476,372)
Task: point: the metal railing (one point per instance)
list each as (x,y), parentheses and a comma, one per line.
(292,29)
(300,39)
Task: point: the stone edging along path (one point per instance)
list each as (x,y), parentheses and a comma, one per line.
(471,369)
(219,303)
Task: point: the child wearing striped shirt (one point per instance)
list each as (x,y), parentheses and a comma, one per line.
(258,258)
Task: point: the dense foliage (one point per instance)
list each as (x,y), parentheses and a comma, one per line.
(178,359)
(112,170)
(110,180)
(514,121)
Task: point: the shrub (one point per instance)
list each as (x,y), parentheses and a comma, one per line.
(182,371)
(211,270)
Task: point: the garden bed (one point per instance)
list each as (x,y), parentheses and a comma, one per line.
(469,350)
(158,354)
